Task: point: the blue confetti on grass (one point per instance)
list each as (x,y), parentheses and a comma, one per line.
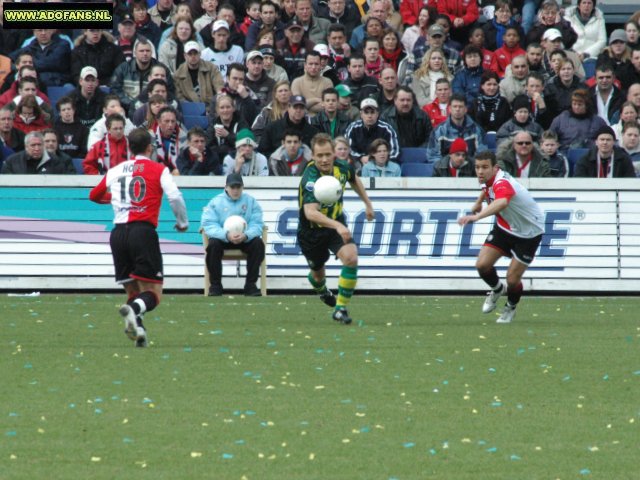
(492,449)
(492,370)
(408,444)
(11,433)
(127,440)
(239,442)
(585,471)
(223,350)
(566,378)
(433,451)
(227,456)
(515,457)
(13,414)
(98,411)
(605,377)
(187,349)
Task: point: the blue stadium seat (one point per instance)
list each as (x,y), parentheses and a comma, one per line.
(105,88)
(490,141)
(573,155)
(589,66)
(77,162)
(413,155)
(191,121)
(417,169)
(56,93)
(193,108)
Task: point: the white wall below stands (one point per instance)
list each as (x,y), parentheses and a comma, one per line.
(53,237)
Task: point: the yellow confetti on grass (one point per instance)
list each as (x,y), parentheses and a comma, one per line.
(95,459)
(594,449)
(312,456)
(346,440)
(196,454)
(13,457)
(319,387)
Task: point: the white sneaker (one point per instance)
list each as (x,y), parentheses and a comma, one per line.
(130,324)
(507,314)
(141,337)
(492,298)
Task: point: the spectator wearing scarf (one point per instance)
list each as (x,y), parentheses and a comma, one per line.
(112,150)
(169,139)
(490,109)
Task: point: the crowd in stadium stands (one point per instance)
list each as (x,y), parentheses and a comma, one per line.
(410,87)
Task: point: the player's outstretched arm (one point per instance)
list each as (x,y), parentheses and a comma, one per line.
(358,187)
(492,209)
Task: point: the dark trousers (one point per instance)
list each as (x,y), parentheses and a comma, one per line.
(255,254)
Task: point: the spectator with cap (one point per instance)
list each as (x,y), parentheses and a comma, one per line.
(411,124)
(257,79)
(233,201)
(361,133)
(456,163)
(171,51)
(293,48)
(197,80)
(330,119)
(87,98)
(522,120)
(436,39)
(344,102)
(618,52)
(457,125)
(295,119)
(275,71)
(605,159)
(520,157)
(223,53)
(245,160)
(326,67)
(268,20)
(95,48)
(312,83)
(128,35)
(552,42)
(576,127)
(549,17)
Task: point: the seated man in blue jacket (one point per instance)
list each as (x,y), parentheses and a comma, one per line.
(233,201)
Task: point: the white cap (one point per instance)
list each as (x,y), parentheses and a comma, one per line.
(368,102)
(191,45)
(86,71)
(552,34)
(218,24)
(322,49)
(253,54)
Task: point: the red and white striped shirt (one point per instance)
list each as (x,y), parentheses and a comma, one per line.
(523,217)
(134,189)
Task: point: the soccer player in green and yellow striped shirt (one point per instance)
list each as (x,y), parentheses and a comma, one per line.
(322,228)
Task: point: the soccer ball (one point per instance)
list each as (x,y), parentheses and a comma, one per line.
(235,224)
(327,189)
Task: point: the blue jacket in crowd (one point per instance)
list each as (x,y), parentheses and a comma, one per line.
(444,134)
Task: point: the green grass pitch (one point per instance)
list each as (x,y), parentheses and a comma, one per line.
(271,388)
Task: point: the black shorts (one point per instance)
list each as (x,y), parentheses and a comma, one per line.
(522,249)
(316,243)
(136,253)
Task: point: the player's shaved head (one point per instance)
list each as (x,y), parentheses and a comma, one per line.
(139,141)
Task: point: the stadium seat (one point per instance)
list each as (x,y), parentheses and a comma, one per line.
(193,108)
(589,66)
(490,141)
(413,155)
(105,88)
(417,169)
(77,162)
(237,254)
(573,155)
(56,93)
(191,121)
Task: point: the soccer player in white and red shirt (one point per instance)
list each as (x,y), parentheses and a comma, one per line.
(516,234)
(134,188)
